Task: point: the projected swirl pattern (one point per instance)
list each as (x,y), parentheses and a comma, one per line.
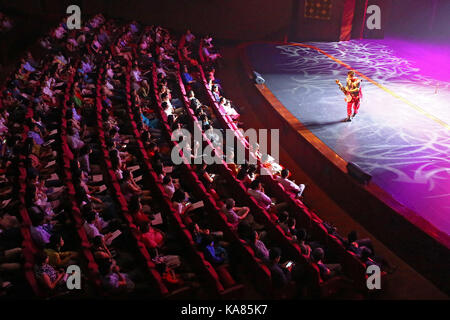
(406,151)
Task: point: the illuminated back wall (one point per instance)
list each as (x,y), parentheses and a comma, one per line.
(225,19)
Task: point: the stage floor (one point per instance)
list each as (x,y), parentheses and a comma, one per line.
(401,135)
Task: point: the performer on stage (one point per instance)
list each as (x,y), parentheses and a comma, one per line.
(352,93)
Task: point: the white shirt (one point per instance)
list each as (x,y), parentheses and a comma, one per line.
(96,44)
(169,110)
(48,91)
(170,189)
(137,75)
(229,110)
(109,85)
(110,73)
(288,184)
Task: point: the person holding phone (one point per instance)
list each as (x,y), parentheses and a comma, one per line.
(280,273)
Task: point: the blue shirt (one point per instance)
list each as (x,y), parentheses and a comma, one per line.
(36,137)
(106,102)
(76,116)
(149,123)
(216,96)
(27,66)
(210,255)
(186,77)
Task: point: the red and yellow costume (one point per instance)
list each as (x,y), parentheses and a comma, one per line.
(354,88)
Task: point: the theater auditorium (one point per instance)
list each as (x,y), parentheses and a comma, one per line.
(257,150)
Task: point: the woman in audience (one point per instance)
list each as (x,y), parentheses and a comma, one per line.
(180,202)
(52,279)
(151,237)
(169,186)
(101,251)
(136,209)
(130,188)
(57,257)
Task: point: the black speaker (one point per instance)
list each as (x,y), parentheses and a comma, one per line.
(357,173)
(258,78)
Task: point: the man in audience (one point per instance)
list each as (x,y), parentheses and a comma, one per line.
(91,226)
(207,54)
(328,270)
(259,247)
(188,80)
(175,105)
(280,274)
(257,191)
(213,253)
(235,215)
(40,231)
(74,141)
(289,185)
(115,281)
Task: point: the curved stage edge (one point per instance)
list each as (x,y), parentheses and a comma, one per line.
(408,234)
